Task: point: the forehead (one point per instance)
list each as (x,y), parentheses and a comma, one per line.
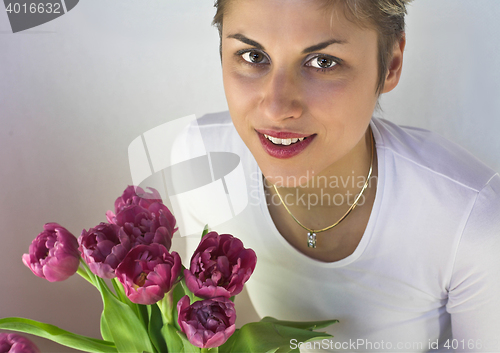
(285,22)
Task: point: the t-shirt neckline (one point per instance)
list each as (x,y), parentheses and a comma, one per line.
(367,235)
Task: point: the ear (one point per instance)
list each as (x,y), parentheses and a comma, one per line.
(395,66)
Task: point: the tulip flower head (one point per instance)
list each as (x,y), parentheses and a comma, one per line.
(145,220)
(220,266)
(53,254)
(207,323)
(14,343)
(135,195)
(148,272)
(103,248)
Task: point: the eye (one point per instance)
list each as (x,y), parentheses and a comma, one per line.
(323,62)
(254,57)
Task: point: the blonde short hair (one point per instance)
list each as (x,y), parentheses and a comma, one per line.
(387,17)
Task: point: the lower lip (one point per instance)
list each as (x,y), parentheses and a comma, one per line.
(282,151)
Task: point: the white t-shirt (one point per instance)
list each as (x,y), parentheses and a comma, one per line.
(427,268)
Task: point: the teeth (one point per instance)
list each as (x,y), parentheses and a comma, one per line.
(285,142)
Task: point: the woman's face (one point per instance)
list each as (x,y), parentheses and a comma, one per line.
(293,71)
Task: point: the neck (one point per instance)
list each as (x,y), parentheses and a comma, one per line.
(337,185)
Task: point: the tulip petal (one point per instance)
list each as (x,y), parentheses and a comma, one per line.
(220,266)
(207,323)
(14,343)
(53,254)
(148,272)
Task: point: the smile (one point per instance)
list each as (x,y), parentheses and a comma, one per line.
(284,145)
(284,142)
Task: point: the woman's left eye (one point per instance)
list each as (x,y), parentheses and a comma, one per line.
(322,62)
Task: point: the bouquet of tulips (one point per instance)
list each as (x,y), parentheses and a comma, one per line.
(151,303)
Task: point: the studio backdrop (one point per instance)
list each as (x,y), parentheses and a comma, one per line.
(77,90)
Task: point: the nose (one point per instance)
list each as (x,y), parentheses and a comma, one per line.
(281,95)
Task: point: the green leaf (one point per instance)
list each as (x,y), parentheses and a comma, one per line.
(155,324)
(187,346)
(54,333)
(128,331)
(174,341)
(305,325)
(142,313)
(205,231)
(269,337)
(192,298)
(228,345)
(210,350)
(120,291)
(105,332)
(177,294)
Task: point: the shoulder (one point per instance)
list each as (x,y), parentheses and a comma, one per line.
(455,199)
(474,284)
(432,156)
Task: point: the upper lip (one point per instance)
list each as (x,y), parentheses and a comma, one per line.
(282,134)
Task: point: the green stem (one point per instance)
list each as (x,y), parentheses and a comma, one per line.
(86,273)
(166,305)
(120,293)
(97,281)
(81,271)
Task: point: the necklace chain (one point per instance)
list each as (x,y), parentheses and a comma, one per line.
(311,236)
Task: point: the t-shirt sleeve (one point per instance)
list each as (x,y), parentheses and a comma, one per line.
(474,290)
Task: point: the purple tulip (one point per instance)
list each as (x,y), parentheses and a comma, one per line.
(207,323)
(103,248)
(219,266)
(135,195)
(148,272)
(14,343)
(144,220)
(53,254)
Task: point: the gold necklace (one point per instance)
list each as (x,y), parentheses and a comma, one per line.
(311,235)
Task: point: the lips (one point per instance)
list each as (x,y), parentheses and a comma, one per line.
(287,144)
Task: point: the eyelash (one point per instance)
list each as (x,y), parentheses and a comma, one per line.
(337,61)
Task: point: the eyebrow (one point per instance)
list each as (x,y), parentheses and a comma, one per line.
(316,47)
(246,40)
(322,45)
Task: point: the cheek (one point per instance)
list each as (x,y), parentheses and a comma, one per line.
(325,102)
(344,99)
(238,96)
(322,96)
(341,110)
(241,92)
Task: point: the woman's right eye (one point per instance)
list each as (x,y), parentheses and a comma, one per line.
(254,57)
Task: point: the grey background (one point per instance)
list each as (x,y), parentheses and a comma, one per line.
(74,92)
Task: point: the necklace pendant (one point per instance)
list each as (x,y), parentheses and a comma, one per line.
(311,240)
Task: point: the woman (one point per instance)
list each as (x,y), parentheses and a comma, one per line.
(393,231)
